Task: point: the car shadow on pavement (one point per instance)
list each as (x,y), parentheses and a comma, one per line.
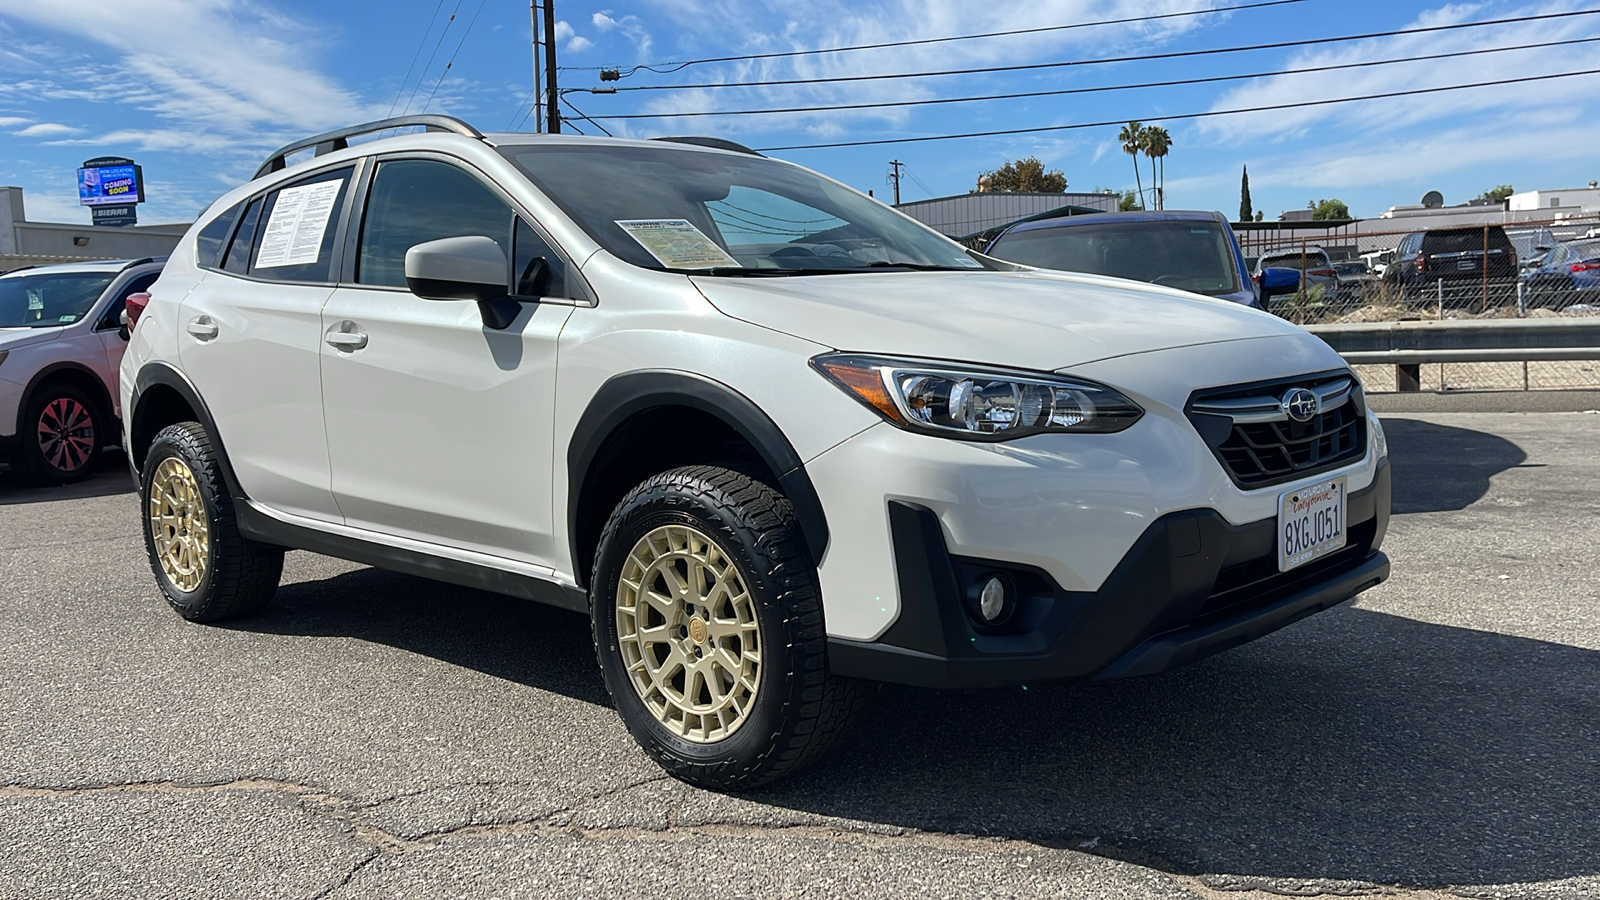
(1356,745)
(111,476)
(505,637)
(1353,746)
(1440,467)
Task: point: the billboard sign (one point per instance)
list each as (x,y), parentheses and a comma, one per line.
(110,180)
(120,214)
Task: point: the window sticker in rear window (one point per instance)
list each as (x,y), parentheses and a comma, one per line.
(299,220)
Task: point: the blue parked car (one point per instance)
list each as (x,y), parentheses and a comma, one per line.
(1568,273)
(1188,250)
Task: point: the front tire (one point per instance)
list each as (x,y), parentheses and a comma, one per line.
(207,570)
(708,627)
(62,433)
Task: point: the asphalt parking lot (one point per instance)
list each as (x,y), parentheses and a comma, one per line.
(376,735)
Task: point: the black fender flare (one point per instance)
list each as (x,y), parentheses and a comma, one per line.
(152,374)
(631,393)
(101,393)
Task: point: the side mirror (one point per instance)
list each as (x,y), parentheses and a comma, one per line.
(1279,280)
(122,325)
(471,267)
(459,268)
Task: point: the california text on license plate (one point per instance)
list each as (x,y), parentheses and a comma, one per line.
(1310,522)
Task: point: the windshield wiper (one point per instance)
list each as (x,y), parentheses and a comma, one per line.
(742,272)
(920,267)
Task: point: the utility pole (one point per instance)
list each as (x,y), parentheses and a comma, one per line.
(894,178)
(538,100)
(553,113)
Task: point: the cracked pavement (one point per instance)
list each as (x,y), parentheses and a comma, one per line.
(376,735)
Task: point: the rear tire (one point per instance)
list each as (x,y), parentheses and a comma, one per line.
(207,570)
(708,626)
(62,433)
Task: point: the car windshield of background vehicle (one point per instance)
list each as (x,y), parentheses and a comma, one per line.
(1190,256)
(46,300)
(727,213)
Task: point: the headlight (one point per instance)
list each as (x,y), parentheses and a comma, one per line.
(1380,441)
(976,402)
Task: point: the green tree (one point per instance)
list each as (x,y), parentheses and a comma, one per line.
(1027,175)
(1329,209)
(1499,193)
(1157,143)
(1246,210)
(1132,138)
(1129,202)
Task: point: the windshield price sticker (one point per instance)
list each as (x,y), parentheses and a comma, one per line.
(676,243)
(1311,523)
(299,221)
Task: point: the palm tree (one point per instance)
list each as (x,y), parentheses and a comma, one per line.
(1132,138)
(1156,144)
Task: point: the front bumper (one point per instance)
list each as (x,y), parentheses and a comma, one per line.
(1190,586)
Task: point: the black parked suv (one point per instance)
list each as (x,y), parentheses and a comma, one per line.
(1458,256)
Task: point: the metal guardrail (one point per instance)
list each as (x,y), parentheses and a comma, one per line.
(1408,345)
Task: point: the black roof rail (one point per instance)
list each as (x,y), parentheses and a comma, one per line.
(715,143)
(139,262)
(338,140)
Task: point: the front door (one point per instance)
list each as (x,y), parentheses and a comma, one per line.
(439,428)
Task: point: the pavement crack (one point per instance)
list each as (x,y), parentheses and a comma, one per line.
(348,876)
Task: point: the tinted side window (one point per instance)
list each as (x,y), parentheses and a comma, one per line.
(208,243)
(539,271)
(294,239)
(414,201)
(244,240)
(112,317)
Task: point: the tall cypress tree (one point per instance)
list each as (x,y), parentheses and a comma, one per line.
(1246,211)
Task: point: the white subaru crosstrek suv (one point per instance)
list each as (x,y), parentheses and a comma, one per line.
(772,436)
(61,342)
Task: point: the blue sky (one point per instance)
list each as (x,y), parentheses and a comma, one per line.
(199,91)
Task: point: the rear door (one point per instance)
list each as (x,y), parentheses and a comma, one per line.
(439,427)
(250,334)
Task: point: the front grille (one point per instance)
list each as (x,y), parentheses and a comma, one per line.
(1260,445)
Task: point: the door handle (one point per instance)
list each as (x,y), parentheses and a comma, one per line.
(346,340)
(203,328)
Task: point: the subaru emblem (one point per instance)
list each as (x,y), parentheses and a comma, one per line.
(1300,405)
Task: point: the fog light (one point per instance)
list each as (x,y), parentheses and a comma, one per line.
(992,600)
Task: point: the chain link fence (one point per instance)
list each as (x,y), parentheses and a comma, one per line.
(1539,269)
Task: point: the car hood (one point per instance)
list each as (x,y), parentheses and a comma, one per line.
(1029,319)
(16,338)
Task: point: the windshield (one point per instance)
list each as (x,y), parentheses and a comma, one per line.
(44,300)
(1190,256)
(1351,268)
(727,214)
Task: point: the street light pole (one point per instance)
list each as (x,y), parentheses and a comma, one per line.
(538,100)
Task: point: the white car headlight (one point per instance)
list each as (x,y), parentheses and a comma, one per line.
(976,402)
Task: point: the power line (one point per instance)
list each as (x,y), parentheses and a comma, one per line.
(429,64)
(1103,88)
(667,68)
(584,117)
(421,42)
(1180,116)
(453,54)
(1177,54)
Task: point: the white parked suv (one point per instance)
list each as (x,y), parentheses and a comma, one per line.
(61,341)
(772,436)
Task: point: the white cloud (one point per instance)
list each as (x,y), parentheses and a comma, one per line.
(223,66)
(603,21)
(563,31)
(579,43)
(13,121)
(46,129)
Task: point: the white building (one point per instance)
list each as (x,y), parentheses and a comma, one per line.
(1571,201)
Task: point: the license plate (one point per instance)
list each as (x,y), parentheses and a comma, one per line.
(1310,522)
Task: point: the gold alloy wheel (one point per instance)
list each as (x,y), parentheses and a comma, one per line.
(178,525)
(688,634)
